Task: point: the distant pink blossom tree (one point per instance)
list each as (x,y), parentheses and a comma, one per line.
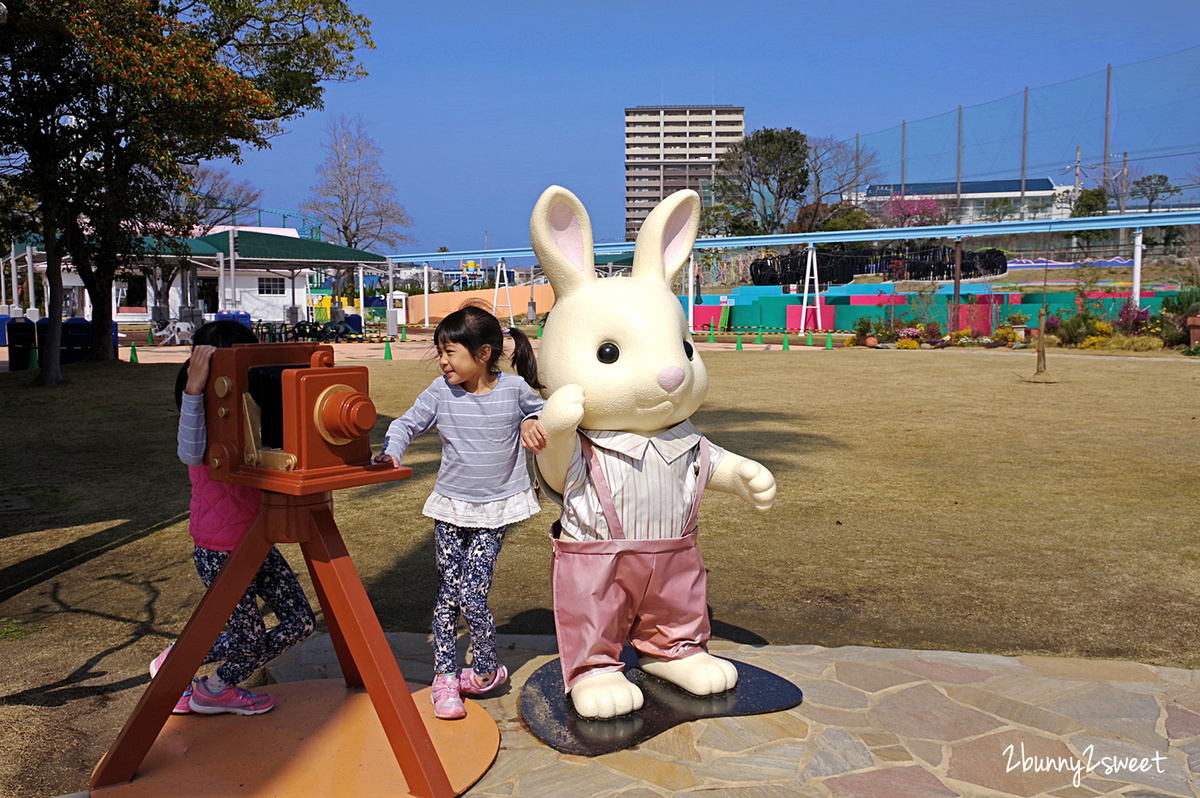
(911,211)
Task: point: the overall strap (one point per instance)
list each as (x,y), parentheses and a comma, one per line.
(701,483)
(592,460)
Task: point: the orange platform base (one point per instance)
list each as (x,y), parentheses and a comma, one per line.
(320,739)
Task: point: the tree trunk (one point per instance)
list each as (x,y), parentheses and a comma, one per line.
(1041,350)
(99,288)
(102,321)
(50,356)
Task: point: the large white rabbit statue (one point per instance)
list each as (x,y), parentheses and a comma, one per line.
(627,465)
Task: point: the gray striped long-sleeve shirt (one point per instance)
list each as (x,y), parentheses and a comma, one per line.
(192,437)
(481,436)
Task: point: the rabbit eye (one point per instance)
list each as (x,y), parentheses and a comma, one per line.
(687,349)
(608,353)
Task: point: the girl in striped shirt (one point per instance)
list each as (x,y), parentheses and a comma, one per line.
(483,416)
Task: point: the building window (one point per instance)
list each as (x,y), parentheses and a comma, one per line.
(272,286)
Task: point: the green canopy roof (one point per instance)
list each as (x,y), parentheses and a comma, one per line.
(266,246)
(193,246)
(614,259)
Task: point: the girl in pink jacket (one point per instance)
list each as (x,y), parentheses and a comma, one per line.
(221,514)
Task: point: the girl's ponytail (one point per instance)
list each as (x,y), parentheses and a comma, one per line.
(523,359)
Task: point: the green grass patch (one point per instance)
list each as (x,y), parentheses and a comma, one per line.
(16,630)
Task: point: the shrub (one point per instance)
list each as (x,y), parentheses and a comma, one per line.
(1102,328)
(1053,340)
(1172,328)
(933,330)
(1131,319)
(1135,343)
(1185,303)
(1094,342)
(1192,351)
(908,333)
(907,343)
(862,326)
(851,341)
(1005,335)
(1073,329)
(1052,324)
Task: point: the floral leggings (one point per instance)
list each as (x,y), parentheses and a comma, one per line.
(466,562)
(246,644)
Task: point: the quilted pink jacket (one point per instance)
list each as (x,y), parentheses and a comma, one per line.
(221,512)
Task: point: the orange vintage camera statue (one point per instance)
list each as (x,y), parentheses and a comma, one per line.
(283,418)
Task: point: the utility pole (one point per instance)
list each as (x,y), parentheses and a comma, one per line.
(1123,234)
(958,173)
(1107,112)
(1024,143)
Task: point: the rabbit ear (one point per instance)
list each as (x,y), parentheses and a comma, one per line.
(666,238)
(562,240)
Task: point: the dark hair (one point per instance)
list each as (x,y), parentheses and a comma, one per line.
(473,328)
(221,334)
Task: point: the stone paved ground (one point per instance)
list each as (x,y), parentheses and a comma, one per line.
(874,723)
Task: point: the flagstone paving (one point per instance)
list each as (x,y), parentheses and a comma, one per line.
(875,723)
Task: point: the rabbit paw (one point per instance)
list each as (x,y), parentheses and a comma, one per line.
(605,695)
(699,674)
(758,484)
(564,410)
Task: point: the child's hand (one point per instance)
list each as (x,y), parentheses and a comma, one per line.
(533,435)
(382,458)
(197,373)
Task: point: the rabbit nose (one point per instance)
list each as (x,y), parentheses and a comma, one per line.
(670,378)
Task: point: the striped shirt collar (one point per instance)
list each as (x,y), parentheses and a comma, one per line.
(670,445)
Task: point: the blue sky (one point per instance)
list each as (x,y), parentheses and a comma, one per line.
(478,106)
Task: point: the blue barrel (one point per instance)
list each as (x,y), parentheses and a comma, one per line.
(236,315)
(76,340)
(4,320)
(22,338)
(355,322)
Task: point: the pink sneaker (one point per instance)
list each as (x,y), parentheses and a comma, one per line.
(182,706)
(470,683)
(447,704)
(232,699)
(157,662)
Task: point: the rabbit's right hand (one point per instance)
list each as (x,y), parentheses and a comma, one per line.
(563,411)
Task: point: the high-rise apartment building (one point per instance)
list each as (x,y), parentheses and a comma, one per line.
(671,147)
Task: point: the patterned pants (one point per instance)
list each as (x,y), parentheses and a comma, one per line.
(246,644)
(466,561)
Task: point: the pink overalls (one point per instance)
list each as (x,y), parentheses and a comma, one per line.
(651,592)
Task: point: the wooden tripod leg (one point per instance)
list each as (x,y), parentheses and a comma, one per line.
(347,601)
(349,669)
(186,657)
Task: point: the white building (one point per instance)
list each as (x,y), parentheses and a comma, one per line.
(673,147)
(982,200)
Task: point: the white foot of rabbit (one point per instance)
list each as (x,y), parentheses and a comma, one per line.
(605,695)
(699,674)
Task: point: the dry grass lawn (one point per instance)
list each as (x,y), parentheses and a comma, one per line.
(926,499)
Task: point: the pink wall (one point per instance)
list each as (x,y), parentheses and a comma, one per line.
(878,299)
(976,317)
(705,317)
(824,323)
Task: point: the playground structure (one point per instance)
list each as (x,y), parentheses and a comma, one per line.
(283,419)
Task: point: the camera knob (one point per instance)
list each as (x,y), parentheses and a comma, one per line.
(344,414)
